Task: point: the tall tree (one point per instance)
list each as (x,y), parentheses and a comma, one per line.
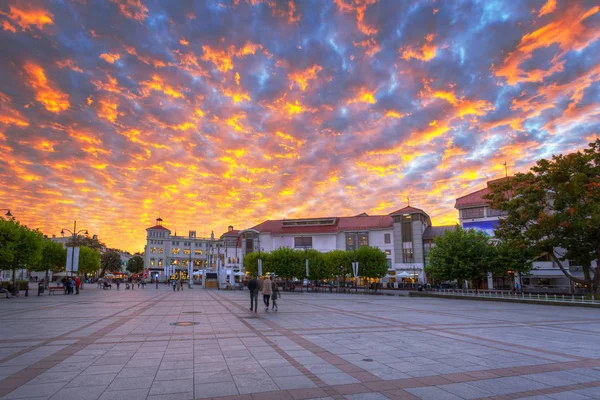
(54,258)
(372,262)
(135,264)
(23,246)
(110,262)
(251,263)
(287,263)
(89,260)
(555,209)
(339,263)
(317,268)
(461,254)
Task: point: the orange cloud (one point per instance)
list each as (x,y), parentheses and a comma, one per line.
(301,78)
(547,8)
(50,97)
(425,53)
(569,31)
(110,57)
(371,46)
(26,17)
(157,83)
(359,7)
(10,116)
(133,9)
(223,59)
(108,110)
(363,96)
(68,63)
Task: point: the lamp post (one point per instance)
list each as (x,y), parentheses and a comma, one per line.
(259,259)
(74,233)
(306,264)
(190,270)
(219,265)
(355,263)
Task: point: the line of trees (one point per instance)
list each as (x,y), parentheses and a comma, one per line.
(290,263)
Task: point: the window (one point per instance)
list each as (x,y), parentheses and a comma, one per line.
(303,241)
(408,255)
(476,212)
(362,239)
(184,263)
(198,252)
(152,262)
(160,250)
(160,262)
(388,252)
(187,251)
(175,250)
(152,249)
(496,213)
(407,232)
(387,238)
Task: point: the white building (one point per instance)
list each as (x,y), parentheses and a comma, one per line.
(166,255)
(404,236)
(474,212)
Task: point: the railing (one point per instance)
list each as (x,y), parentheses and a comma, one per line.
(499,294)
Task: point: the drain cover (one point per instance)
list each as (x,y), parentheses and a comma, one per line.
(368,359)
(185,323)
(249,317)
(192,312)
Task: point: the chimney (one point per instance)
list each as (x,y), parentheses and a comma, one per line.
(159,221)
(230,228)
(192,234)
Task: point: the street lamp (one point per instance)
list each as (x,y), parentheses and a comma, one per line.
(355,263)
(219,265)
(74,232)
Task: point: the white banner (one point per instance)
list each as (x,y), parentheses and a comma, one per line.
(355,268)
(307,267)
(72,261)
(259,267)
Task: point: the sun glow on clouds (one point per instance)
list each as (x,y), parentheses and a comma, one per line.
(149,113)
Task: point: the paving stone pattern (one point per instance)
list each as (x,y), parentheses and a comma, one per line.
(123,345)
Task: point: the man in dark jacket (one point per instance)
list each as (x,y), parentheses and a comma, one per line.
(253,289)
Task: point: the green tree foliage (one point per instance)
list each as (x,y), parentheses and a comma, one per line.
(338,263)
(20,246)
(110,262)
(371,262)
(135,264)
(287,263)
(511,257)
(251,263)
(461,255)
(54,258)
(555,209)
(89,260)
(317,268)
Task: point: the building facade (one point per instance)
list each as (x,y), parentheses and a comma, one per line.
(474,212)
(405,236)
(167,256)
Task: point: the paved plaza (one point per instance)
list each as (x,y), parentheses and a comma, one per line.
(123,344)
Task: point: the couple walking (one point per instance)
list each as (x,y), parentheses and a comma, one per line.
(269,289)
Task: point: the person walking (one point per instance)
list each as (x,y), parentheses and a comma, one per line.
(275,296)
(118,283)
(253,289)
(156,283)
(267,290)
(181,284)
(173,284)
(77,284)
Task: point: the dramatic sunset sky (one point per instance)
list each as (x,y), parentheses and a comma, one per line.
(219,112)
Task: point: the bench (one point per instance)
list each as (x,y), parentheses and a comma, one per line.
(52,289)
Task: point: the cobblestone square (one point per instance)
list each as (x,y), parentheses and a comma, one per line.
(109,344)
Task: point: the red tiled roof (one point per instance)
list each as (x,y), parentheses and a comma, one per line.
(158,227)
(476,198)
(473,199)
(341,224)
(231,233)
(408,210)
